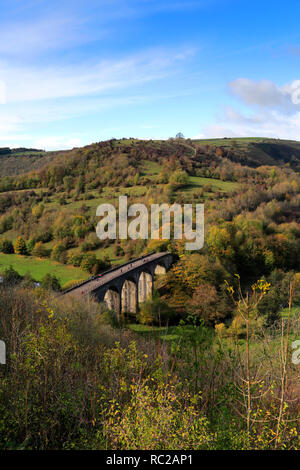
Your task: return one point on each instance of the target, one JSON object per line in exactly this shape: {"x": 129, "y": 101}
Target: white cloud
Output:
{"x": 263, "y": 94}
{"x": 273, "y": 111}
{"x": 262, "y": 124}
{"x": 48, "y": 73}
{"x": 39, "y": 95}
{"x": 43, "y": 34}
{"x": 37, "y": 83}
{"x": 33, "y": 96}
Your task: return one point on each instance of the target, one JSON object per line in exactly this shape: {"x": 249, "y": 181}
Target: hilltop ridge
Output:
{"x": 248, "y": 151}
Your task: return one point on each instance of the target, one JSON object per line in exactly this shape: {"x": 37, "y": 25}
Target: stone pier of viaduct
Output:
{"x": 125, "y": 287}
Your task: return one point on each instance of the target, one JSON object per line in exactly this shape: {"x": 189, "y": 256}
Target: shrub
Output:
{"x": 30, "y": 245}
{"x": 155, "y": 311}
{"x": 39, "y": 250}
{"x": 157, "y": 417}
{"x": 20, "y": 246}
{"x": 88, "y": 261}
{"x": 50, "y": 282}
{"x": 118, "y": 250}
{"x": 73, "y": 283}
{"x": 179, "y": 178}
{"x": 80, "y": 231}
{"x": 75, "y": 259}
{"x": 37, "y": 210}
{"x": 62, "y": 200}
{"x": 204, "y": 302}
{"x": 45, "y": 236}
{"x": 11, "y": 276}
{"x": 158, "y": 245}
{"x": 6, "y": 246}
{"x": 28, "y": 281}
{"x": 57, "y": 251}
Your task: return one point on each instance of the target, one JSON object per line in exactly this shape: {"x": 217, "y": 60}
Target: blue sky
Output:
{"x": 76, "y": 72}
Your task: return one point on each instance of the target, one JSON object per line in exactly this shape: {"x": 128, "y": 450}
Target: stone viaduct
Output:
{"x": 123, "y": 288}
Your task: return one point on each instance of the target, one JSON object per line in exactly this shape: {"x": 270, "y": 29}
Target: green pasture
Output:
{"x": 38, "y": 268}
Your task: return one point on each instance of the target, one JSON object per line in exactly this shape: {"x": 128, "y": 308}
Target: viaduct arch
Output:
{"x": 123, "y": 288}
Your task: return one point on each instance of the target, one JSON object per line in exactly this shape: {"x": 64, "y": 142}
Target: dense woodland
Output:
{"x": 77, "y": 378}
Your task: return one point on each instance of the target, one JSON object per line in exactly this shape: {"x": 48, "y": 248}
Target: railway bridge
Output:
{"x": 124, "y": 287}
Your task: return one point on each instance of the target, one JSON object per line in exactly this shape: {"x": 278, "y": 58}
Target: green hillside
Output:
{"x": 250, "y": 188}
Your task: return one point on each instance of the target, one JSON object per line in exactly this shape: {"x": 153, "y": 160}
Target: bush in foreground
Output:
{"x": 73, "y": 382}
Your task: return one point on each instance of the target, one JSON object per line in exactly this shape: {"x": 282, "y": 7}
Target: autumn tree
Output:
{"x": 20, "y": 246}
{"x": 179, "y": 178}
{"x": 57, "y": 251}
{"x": 88, "y": 262}
{"x": 204, "y": 303}
{"x": 68, "y": 183}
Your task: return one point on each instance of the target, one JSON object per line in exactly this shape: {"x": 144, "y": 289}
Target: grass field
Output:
{"x": 167, "y": 333}
{"x": 171, "y": 333}
{"x": 38, "y": 268}
{"x": 150, "y": 169}
{"x": 196, "y": 182}
{"x": 228, "y": 142}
